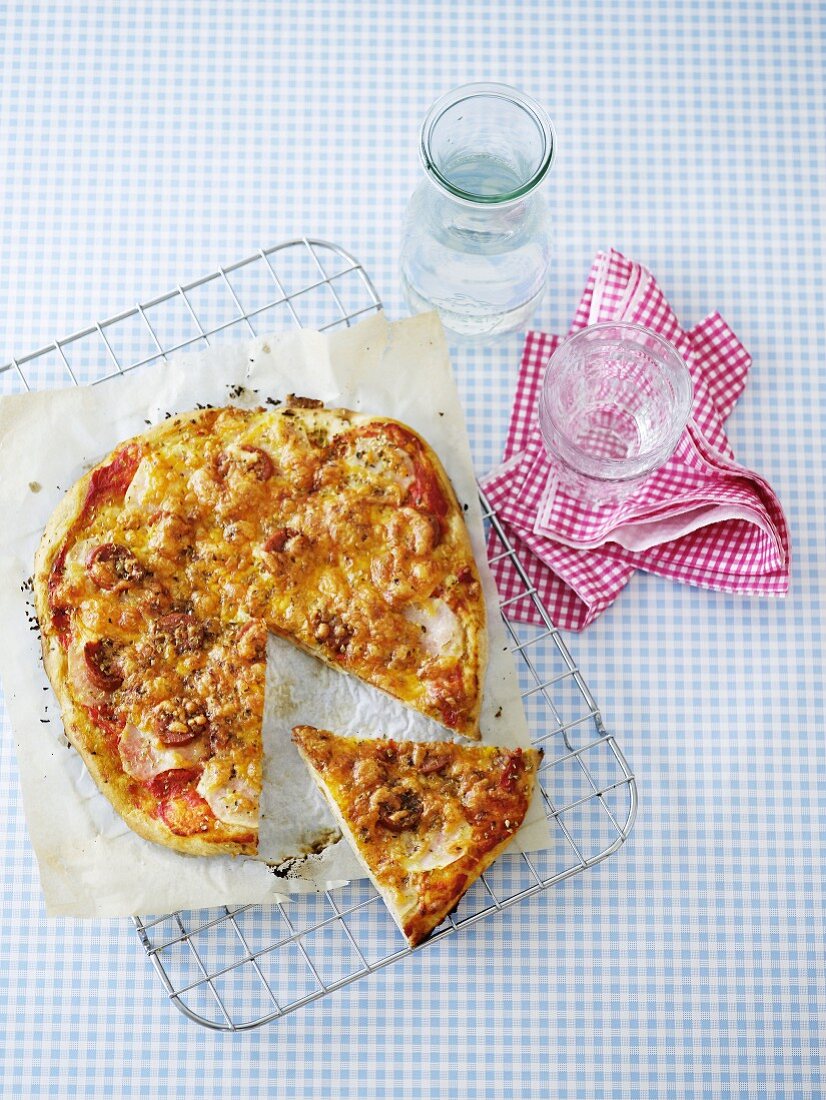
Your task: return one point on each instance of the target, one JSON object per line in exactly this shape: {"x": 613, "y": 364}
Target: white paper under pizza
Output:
{"x": 90, "y": 863}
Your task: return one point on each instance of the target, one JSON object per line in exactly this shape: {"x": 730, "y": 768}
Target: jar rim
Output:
{"x": 498, "y": 91}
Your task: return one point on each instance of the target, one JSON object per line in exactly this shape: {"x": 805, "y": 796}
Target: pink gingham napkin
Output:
{"x": 702, "y": 519}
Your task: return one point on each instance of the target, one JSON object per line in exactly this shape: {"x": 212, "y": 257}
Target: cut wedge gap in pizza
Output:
{"x": 425, "y": 819}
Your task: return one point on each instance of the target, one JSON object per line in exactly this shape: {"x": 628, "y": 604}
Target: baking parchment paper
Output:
{"x": 90, "y": 863}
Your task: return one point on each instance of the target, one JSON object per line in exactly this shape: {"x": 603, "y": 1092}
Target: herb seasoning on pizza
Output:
{"x": 164, "y": 568}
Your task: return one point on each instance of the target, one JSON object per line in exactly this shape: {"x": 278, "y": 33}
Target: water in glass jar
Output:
{"x": 482, "y": 265}
{"x": 483, "y": 175}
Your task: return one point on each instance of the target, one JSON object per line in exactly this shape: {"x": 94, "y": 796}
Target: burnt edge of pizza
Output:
{"x": 164, "y": 568}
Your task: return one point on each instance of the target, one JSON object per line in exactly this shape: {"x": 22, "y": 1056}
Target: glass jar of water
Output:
{"x": 476, "y": 242}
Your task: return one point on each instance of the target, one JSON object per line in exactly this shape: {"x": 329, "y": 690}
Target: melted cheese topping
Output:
{"x": 334, "y": 530}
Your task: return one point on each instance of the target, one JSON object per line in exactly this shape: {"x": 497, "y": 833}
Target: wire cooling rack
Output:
{"x": 233, "y": 969}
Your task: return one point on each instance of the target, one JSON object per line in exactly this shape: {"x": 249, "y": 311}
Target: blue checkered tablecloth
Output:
{"x": 142, "y": 146}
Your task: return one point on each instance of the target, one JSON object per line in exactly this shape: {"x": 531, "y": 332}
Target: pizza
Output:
{"x": 424, "y": 818}
{"x": 164, "y": 569}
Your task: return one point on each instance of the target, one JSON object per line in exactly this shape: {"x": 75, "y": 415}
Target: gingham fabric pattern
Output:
{"x": 707, "y": 520}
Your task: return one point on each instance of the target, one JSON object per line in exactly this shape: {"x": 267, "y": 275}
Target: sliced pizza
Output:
{"x": 164, "y": 568}
{"x": 425, "y": 819}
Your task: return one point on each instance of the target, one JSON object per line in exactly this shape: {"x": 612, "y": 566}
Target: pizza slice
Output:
{"x": 425, "y": 819}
